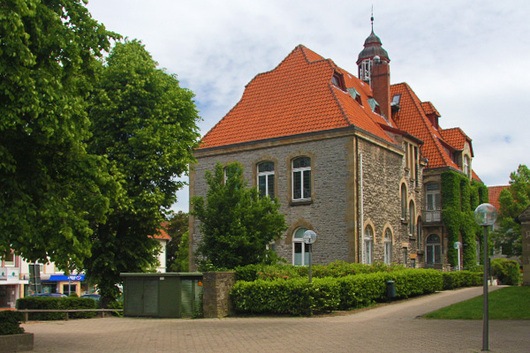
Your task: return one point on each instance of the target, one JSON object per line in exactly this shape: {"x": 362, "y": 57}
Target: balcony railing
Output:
{"x": 432, "y": 216}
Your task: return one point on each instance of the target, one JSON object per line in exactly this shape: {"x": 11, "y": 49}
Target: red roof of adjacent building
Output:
{"x": 297, "y": 97}
{"x": 493, "y": 195}
{"x": 162, "y": 233}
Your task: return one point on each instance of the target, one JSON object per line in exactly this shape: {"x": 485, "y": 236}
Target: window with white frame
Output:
{"x": 388, "y": 247}
{"x": 301, "y": 178}
{"x": 300, "y": 249}
{"x": 266, "y": 179}
{"x": 433, "y": 250}
{"x": 433, "y": 202}
{"x": 368, "y": 243}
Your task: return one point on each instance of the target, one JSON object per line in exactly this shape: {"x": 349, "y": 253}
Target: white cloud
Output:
{"x": 467, "y": 58}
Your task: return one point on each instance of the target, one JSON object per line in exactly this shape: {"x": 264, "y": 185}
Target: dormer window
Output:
{"x": 355, "y": 95}
{"x": 374, "y": 105}
{"x": 338, "y": 80}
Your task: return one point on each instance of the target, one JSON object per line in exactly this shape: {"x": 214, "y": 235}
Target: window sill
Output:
{"x": 301, "y": 202}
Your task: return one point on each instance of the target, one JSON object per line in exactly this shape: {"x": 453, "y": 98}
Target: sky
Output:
{"x": 469, "y": 58}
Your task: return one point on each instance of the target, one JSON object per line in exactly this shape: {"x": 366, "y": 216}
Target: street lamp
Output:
{"x": 309, "y": 238}
{"x": 485, "y": 216}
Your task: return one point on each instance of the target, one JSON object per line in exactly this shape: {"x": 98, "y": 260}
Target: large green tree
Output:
{"x": 52, "y": 190}
{"x": 513, "y": 201}
{"x": 237, "y": 225}
{"x": 145, "y": 124}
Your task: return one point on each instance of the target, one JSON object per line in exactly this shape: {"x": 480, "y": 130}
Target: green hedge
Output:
{"x": 10, "y": 323}
{"x": 335, "y": 269}
{"x": 57, "y": 303}
{"x": 291, "y": 297}
{"x": 459, "y": 279}
{"x": 299, "y": 297}
{"x": 506, "y": 271}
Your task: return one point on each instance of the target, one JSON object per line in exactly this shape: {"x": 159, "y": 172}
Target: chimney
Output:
{"x": 380, "y": 82}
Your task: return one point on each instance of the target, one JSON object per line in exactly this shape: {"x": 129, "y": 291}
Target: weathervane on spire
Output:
{"x": 372, "y": 18}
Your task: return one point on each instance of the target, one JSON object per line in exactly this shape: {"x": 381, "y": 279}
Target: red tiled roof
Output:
{"x": 296, "y": 97}
{"x": 162, "y": 233}
{"x": 456, "y": 138}
{"x": 493, "y": 195}
{"x": 412, "y": 117}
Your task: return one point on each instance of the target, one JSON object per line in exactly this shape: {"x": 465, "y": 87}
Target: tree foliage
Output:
{"x": 53, "y": 190}
{"x": 237, "y": 224}
{"x": 177, "y": 248}
{"x": 513, "y": 201}
{"x": 145, "y": 125}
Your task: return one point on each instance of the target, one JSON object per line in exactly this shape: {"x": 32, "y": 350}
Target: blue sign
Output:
{"x": 65, "y": 278}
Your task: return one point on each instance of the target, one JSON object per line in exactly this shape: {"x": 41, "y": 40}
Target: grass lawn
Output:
{"x": 510, "y": 303}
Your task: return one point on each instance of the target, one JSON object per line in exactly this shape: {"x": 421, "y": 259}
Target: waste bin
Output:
{"x": 390, "y": 289}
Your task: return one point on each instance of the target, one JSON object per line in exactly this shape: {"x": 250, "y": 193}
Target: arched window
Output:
{"x": 419, "y": 233}
{"x": 412, "y": 219}
{"x": 433, "y": 250}
{"x": 368, "y": 243}
{"x": 403, "y": 202}
{"x": 301, "y": 178}
{"x": 300, "y": 249}
{"x": 388, "y": 246}
{"x": 266, "y": 179}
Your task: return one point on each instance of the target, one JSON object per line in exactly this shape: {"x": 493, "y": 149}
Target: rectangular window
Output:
{"x": 266, "y": 179}
{"x": 301, "y": 178}
{"x": 9, "y": 259}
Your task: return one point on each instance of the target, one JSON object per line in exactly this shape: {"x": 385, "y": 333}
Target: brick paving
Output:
{"x": 394, "y": 327}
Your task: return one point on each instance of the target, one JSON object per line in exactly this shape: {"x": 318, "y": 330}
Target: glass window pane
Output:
{"x": 301, "y": 162}
{"x": 297, "y": 185}
{"x": 270, "y": 181}
{"x": 307, "y": 184}
{"x": 262, "y": 185}
{"x": 266, "y": 167}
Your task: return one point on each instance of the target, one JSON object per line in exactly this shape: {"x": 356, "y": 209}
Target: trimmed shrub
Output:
{"x": 10, "y": 323}
{"x": 506, "y": 271}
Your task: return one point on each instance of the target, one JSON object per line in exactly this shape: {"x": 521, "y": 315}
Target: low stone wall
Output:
{"x": 16, "y": 343}
{"x": 216, "y": 294}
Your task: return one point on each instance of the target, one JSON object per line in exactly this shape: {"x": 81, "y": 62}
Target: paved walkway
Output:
{"x": 393, "y": 328}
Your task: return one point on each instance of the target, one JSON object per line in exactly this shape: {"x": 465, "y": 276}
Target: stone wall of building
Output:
{"x": 333, "y": 211}
{"x": 382, "y": 173}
